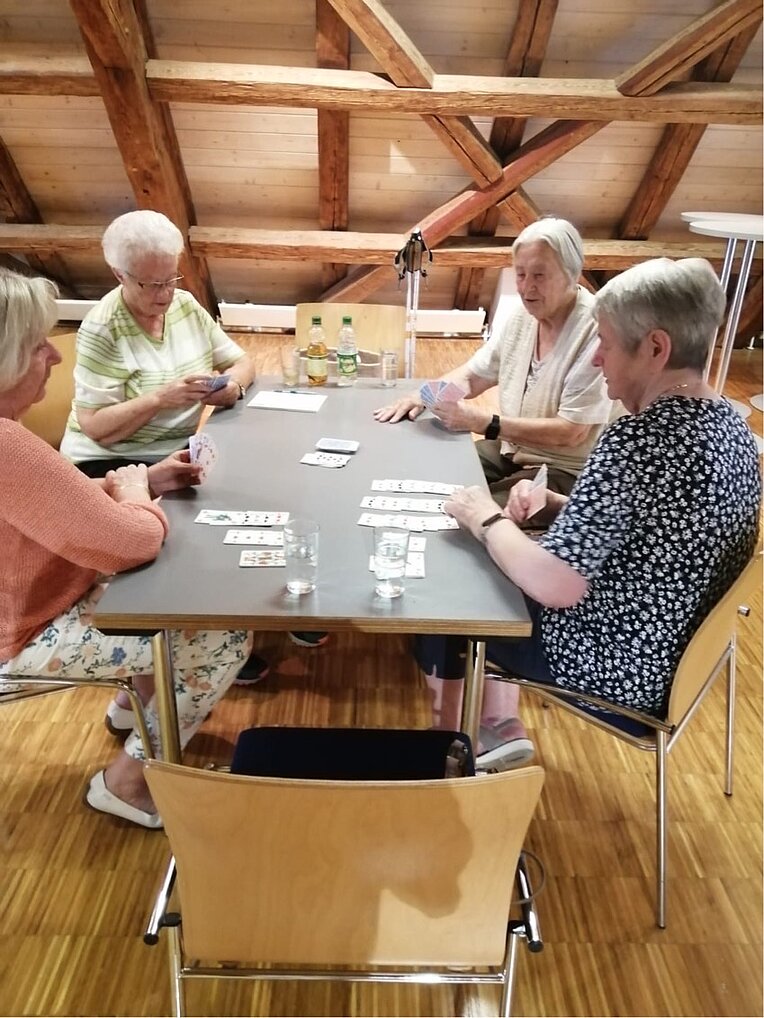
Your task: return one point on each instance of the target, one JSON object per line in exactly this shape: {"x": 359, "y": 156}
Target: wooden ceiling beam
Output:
{"x": 451, "y": 95}
{"x": 677, "y": 146}
{"x": 375, "y": 249}
{"x": 18, "y": 206}
{"x": 356, "y": 91}
{"x": 669, "y": 61}
{"x": 400, "y": 59}
{"x": 539, "y": 152}
{"x": 527, "y": 48}
{"x": 333, "y": 128}
{"x": 383, "y": 37}
{"x": 113, "y": 33}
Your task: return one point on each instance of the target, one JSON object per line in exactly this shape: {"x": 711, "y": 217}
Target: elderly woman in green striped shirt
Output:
{"x": 147, "y": 355}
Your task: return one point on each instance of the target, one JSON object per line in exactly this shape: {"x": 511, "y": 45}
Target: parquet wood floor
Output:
{"x": 75, "y": 886}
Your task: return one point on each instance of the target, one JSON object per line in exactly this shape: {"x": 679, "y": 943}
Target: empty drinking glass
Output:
{"x": 388, "y": 368}
{"x": 391, "y": 547}
{"x": 301, "y": 554}
{"x": 290, "y": 365}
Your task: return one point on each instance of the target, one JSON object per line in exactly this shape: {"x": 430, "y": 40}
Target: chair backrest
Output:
{"x": 277, "y": 870}
{"x": 48, "y": 417}
{"x": 377, "y": 326}
{"x": 708, "y": 644}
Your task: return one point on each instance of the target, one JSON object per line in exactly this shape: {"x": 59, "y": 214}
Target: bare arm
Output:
{"x": 111, "y": 424}
{"x": 547, "y": 431}
{"x": 535, "y": 570}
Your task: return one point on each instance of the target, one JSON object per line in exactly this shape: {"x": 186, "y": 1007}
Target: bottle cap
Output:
{"x": 347, "y": 320}
{"x": 316, "y": 320}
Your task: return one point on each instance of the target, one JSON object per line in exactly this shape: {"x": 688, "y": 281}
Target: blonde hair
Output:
{"x": 27, "y": 314}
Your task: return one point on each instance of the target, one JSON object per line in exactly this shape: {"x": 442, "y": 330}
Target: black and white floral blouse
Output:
{"x": 661, "y": 521}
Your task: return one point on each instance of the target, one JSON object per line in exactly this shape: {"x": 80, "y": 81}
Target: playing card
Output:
{"x": 325, "y": 459}
{"x": 391, "y": 520}
{"x": 537, "y": 496}
{"x": 427, "y": 394}
{"x": 241, "y": 518}
{"x": 451, "y": 393}
{"x": 218, "y": 382}
{"x": 273, "y": 538}
{"x": 263, "y": 557}
{"x": 203, "y": 451}
{"x": 415, "y": 505}
{"x": 418, "y": 487}
{"x": 439, "y": 523}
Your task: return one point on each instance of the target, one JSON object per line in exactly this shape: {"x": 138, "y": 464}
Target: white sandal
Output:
{"x": 98, "y": 797}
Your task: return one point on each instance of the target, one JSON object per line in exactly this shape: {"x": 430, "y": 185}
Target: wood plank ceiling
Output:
{"x": 209, "y": 110}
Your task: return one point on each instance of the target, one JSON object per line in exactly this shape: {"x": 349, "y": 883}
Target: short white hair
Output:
{"x": 134, "y": 235}
{"x": 683, "y": 298}
{"x": 27, "y": 314}
{"x": 563, "y": 238}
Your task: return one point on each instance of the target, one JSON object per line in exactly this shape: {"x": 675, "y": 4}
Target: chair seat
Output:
{"x": 630, "y": 726}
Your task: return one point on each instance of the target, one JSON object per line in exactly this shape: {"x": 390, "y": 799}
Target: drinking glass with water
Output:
{"x": 391, "y": 547}
{"x": 301, "y": 555}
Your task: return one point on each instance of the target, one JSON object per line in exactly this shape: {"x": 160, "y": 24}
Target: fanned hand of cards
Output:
{"x": 438, "y": 391}
{"x": 203, "y": 451}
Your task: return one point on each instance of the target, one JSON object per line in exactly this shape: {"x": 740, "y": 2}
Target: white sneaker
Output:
{"x": 503, "y": 745}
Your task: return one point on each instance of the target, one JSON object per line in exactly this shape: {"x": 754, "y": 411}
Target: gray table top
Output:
{"x": 197, "y": 583}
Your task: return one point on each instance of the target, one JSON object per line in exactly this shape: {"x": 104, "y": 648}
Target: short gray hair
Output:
{"x": 684, "y": 298}
{"x": 132, "y": 236}
{"x": 563, "y": 238}
{"x": 27, "y": 314}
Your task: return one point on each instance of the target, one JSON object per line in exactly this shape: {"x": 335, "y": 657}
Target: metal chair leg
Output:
{"x": 177, "y": 989}
{"x": 661, "y": 766}
{"x": 731, "y": 696}
{"x": 510, "y": 969}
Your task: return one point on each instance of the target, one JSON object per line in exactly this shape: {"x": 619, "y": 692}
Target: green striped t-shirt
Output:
{"x": 117, "y": 360}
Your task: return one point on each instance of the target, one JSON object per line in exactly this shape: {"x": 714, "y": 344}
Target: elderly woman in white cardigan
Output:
{"x": 552, "y": 400}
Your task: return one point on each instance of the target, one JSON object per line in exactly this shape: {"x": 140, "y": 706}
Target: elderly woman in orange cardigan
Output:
{"x": 62, "y": 534}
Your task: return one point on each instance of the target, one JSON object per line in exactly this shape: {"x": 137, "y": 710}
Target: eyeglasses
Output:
{"x": 156, "y": 287}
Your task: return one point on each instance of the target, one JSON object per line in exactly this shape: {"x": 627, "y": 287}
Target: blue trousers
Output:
{"x": 522, "y": 656}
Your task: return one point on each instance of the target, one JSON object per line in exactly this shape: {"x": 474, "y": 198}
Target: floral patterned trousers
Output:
{"x": 205, "y": 664}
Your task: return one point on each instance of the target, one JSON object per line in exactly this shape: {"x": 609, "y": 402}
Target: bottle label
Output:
{"x": 317, "y": 366}
{"x": 347, "y": 364}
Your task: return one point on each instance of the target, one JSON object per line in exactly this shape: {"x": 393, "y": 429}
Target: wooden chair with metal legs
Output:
{"x": 344, "y": 880}
{"x": 710, "y": 653}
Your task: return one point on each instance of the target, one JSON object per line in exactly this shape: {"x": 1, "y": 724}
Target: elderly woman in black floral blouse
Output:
{"x": 661, "y": 521}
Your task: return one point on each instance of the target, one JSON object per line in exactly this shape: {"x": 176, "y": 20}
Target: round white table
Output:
{"x": 732, "y": 227}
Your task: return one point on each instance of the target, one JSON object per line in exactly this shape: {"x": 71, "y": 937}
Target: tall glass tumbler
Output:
{"x": 301, "y": 554}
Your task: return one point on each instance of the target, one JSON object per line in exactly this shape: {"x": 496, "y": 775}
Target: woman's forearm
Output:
{"x": 111, "y": 424}
{"x": 539, "y": 573}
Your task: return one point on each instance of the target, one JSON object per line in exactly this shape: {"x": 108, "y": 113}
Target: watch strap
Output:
{"x": 493, "y": 429}
{"x": 492, "y": 519}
